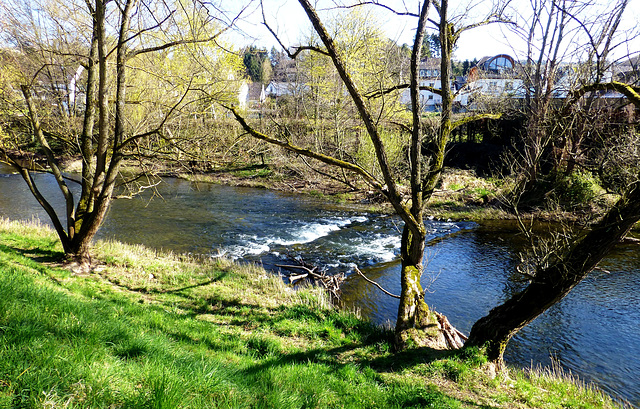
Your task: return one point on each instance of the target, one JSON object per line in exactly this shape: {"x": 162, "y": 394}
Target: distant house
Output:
{"x": 279, "y": 89}
{"x": 251, "y": 95}
{"x": 493, "y": 77}
{"x": 428, "y": 76}
{"x": 627, "y": 71}
{"x": 287, "y": 80}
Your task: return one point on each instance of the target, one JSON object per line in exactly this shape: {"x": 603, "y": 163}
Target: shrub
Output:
{"x": 576, "y": 189}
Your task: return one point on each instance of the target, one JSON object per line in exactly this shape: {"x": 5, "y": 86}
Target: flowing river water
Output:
{"x": 594, "y": 332}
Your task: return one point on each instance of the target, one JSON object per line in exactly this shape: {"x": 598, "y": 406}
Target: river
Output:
{"x": 594, "y": 332}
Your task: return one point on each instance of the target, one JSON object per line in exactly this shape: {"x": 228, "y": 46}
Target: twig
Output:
{"x": 310, "y": 271}
{"x": 376, "y": 284}
{"x": 294, "y": 278}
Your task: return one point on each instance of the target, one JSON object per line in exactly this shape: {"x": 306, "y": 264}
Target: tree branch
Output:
{"x": 630, "y": 92}
{"x": 386, "y": 91}
{"x": 384, "y": 6}
{"x": 176, "y": 43}
{"x": 298, "y": 50}
{"x": 376, "y": 284}
{"x": 381, "y": 155}
{"x": 55, "y": 170}
{"x": 370, "y": 179}
{"x": 473, "y": 118}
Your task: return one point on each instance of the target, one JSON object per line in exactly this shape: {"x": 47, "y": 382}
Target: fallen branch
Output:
{"x": 293, "y": 279}
{"x": 310, "y": 271}
{"x": 331, "y": 283}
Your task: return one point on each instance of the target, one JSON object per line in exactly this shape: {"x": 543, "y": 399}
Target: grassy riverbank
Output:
{"x": 156, "y": 330}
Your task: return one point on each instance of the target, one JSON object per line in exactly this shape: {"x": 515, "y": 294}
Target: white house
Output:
{"x": 493, "y": 77}
{"x": 429, "y": 76}
{"x": 251, "y": 94}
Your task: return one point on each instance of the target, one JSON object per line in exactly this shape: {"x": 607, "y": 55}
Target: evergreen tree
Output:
{"x": 257, "y": 63}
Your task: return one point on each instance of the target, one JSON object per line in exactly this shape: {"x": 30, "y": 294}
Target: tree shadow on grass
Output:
{"x": 266, "y": 349}
{"x": 180, "y": 291}
{"x": 37, "y": 255}
{"x": 403, "y": 394}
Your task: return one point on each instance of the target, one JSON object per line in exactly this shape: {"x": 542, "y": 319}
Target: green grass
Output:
{"x": 255, "y": 171}
{"x": 153, "y": 330}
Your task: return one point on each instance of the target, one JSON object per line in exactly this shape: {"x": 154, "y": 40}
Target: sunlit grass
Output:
{"x": 157, "y": 330}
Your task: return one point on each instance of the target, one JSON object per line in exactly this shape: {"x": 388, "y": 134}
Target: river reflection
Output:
{"x": 594, "y": 332}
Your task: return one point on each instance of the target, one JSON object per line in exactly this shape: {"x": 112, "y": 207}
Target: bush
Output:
{"x": 576, "y": 189}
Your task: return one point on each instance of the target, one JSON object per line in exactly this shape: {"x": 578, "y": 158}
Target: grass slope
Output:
{"x": 151, "y": 330}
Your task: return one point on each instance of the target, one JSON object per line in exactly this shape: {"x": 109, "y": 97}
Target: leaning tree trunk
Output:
{"x": 553, "y": 283}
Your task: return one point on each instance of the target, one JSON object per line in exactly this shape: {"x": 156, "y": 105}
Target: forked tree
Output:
{"x": 415, "y": 324}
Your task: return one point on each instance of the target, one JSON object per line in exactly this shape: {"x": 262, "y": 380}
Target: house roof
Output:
{"x": 496, "y": 66}
{"x": 255, "y": 90}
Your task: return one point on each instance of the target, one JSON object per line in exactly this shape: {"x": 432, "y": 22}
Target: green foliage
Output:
{"x": 566, "y": 191}
{"x": 255, "y": 171}
{"x": 396, "y": 145}
{"x": 448, "y": 369}
{"x": 462, "y": 68}
{"x": 458, "y": 367}
{"x": 431, "y": 46}
{"x": 415, "y": 396}
{"x": 577, "y": 188}
{"x": 263, "y": 345}
{"x": 257, "y": 63}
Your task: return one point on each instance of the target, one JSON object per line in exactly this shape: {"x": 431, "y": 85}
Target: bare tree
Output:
{"x": 50, "y": 36}
{"x": 553, "y": 275}
{"x": 568, "y": 45}
{"x": 415, "y": 322}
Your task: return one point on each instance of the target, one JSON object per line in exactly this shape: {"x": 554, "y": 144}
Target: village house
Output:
{"x": 493, "y": 77}
{"x": 429, "y": 76}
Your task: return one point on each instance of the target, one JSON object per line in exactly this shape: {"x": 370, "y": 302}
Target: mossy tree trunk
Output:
{"x": 553, "y": 283}
{"x": 416, "y": 324}
{"x": 413, "y": 312}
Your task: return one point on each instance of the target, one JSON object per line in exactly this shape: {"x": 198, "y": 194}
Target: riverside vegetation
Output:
{"x": 157, "y": 330}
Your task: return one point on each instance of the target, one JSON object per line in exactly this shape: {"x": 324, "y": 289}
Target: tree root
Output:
{"x": 454, "y": 338}
{"x": 78, "y": 265}
{"x": 438, "y": 334}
